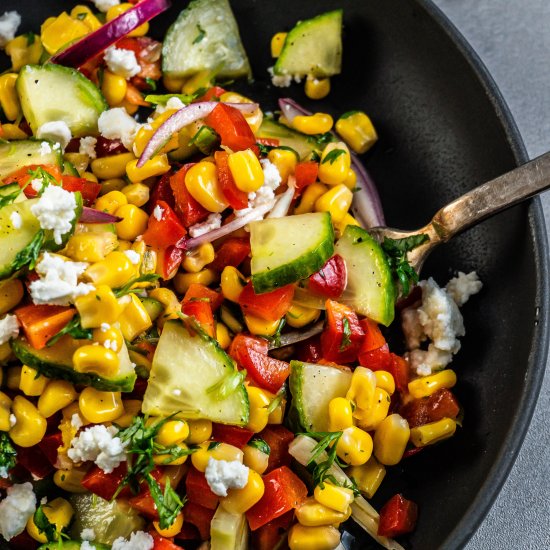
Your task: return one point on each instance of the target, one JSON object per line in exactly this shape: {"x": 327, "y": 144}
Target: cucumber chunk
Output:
{"x": 12, "y": 188}
{"x": 15, "y": 155}
{"x": 57, "y": 362}
{"x": 312, "y": 388}
{"x": 71, "y": 545}
{"x": 370, "y": 290}
{"x": 285, "y": 250}
{"x": 205, "y": 36}
{"x": 228, "y": 531}
{"x": 187, "y": 363}
{"x": 52, "y": 92}
{"x": 313, "y": 47}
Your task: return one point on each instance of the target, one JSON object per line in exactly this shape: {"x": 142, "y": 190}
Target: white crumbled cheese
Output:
{"x": 264, "y": 196}
{"x": 9, "y": 328}
{"x": 138, "y": 541}
{"x": 104, "y": 5}
{"x": 222, "y": 475}
{"x": 172, "y": 103}
{"x": 37, "y": 185}
{"x": 461, "y": 287}
{"x": 87, "y": 534}
{"x": 86, "y": 545}
{"x": 9, "y": 23}
{"x": 87, "y": 146}
{"x": 13, "y": 420}
{"x": 272, "y": 177}
{"x": 99, "y": 444}
{"x": 76, "y": 421}
{"x": 133, "y": 256}
{"x": 16, "y": 220}
{"x": 122, "y": 62}
{"x": 280, "y": 80}
{"x": 214, "y": 221}
{"x": 56, "y": 131}
{"x": 157, "y": 212}
{"x": 118, "y": 124}
{"x": 55, "y": 210}
{"x": 45, "y": 148}
{"x": 16, "y": 509}
{"x": 105, "y": 327}
{"x": 58, "y": 284}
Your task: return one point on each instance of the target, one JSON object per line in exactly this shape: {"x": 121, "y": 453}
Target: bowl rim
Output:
{"x": 536, "y": 362}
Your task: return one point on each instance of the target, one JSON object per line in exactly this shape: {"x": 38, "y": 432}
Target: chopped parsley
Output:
{"x": 331, "y": 156}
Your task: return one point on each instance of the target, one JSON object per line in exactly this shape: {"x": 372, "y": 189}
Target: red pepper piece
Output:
{"x": 397, "y": 517}
{"x": 88, "y": 189}
{"x": 188, "y": 532}
{"x": 278, "y": 438}
{"x": 168, "y": 261}
{"x": 34, "y": 460}
{"x": 242, "y": 343}
{"x": 107, "y": 147}
{"x": 105, "y": 485}
{"x": 269, "y": 535}
{"x": 330, "y": 281}
{"x": 163, "y": 228}
{"x": 441, "y": 404}
{"x": 22, "y": 176}
{"x": 399, "y": 368}
{"x": 236, "y": 198}
{"x": 233, "y": 435}
{"x": 49, "y": 446}
{"x": 162, "y": 543}
{"x": 269, "y": 306}
{"x": 202, "y": 312}
{"x": 309, "y": 351}
{"x": 211, "y": 94}
{"x": 23, "y": 541}
{"x": 187, "y": 208}
{"x": 200, "y": 517}
{"x": 162, "y": 192}
{"x": 305, "y": 174}
{"x": 145, "y": 504}
{"x": 232, "y": 252}
{"x": 198, "y": 490}
{"x": 375, "y": 352}
{"x": 200, "y": 292}
{"x": 232, "y": 127}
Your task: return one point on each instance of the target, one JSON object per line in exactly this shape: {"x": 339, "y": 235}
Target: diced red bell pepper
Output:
{"x": 399, "y": 369}
{"x": 162, "y": 543}
{"x": 187, "y": 208}
{"x": 375, "y": 352}
{"x": 23, "y": 541}
{"x": 107, "y": 147}
{"x": 278, "y": 438}
{"x": 163, "y": 230}
{"x": 309, "y": 351}
{"x": 233, "y": 435}
{"x": 202, "y": 312}
{"x": 34, "y": 461}
{"x": 105, "y": 485}
{"x": 88, "y": 189}
{"x": 211, "y": 94}
{"x": 49, "y": 445}
{"x": 232, "y": 127}
{"x": 162, "y": 191}
{"x": 200, "y": 517}
{"x": 269, "y": 306}
{"x": 342, "y": 336}
{"x": 232, "y": 252}
{"x": 168, "y": 261}
{"x": 397, "y": 517}
{"x": 305, "y": 174}
{"x": 284, "y": 490}
{"x": 236, "y": 198}
{"x": 188, "y": 532}
{"x": 441, "y": 404}
{"x": 242, "y": 343}
{"x": 330, "y": 281}
{"x": 269, "y": 535}
{"x": 198, "y": 490}
{"x": 145, "y": 504}
{"x": 197, "y": 291}
{"x": 22, "y": 176}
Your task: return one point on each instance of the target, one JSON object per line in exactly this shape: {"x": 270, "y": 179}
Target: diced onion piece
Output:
{"x": 91, "y": 215}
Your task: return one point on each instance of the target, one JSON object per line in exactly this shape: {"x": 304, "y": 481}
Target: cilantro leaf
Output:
{"x": 346, "y": 336}
{"x": 168, "y": 502}
{"x": 275, "y": 339}
{"x": 40, "y": 174}
{"x": 331, "y": 156}
{"x": 74, "y": 329}
{"x": 260, "y": 444}
{"x": 8, "y": 455}
{"x": 9, "y": 198}
{"x": 44, "y": 524}
{"x": 29, "y": 254}
{"x": 127, "y": 288}
{"x": 151, "y": 83}
{"x": 30, "y": 36}
{"x": 327, "y": 443}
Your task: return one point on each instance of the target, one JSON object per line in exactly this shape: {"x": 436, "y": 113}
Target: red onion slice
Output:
{"x": 94, "y": 43}
{"x": 91, "y": 215}
{"x": 282, "y": 206}
{"x": 291, "y": 109}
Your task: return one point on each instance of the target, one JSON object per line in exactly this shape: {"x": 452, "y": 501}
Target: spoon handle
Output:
{"x": 492, "y": 197}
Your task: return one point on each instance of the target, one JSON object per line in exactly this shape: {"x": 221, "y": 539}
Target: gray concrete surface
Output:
{"x": 513, "y": 39}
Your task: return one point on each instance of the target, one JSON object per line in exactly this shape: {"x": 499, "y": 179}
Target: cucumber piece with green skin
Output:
{"x": 205, "y": 36}
{"x": 12, "y": 189}
{"x": 15, "y": 155}
{"x": 186, "y": 365}
{"x": 228, "y": 531}
{"x": 312, "y": 388}
{"x": 71, "y": 545}
{"x": 370, "y": 290}
{"x": 285, "y": 250}
{"x": 52, "y": 92}
{"x": 57, "y": 362}
{"x": 153, "y": 307}
{"x": 69, "y": 169}
{"x": 313, "y": 47}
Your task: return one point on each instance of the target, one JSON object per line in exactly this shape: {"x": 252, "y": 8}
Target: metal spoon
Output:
{"x": 475, "y": 206}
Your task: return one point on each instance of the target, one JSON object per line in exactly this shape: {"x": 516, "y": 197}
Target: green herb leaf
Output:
{"x": 276, "y": 401}
{"x": 275, "y": 339}
{"x": 327, "y": 443}
{"x": 264, "y": 149}
{"x": 44, "y": 524}
{"x": 9, "y": 198}
{"x": 74, "y": 329}
{"x": 151, "y": 83}
{"x": 168, "y": 503}
{"x": 323, "y": 139}
{"x": 227, "y": 385}
{"x": 331, "y": 156}
{"x": 8, "y": 455}
{"x": 127, "y": 288}
{"x": 213, "y": 445}
{"x": 346, "y": 334}
{"x": 315, "y": 156}
{"x": 81, "y": 16}
{"x": 45, "y": 177}
{"x": 30, "y": 36}
{"x": 201, "y": 34}
{"x": 29, "y": 255}
{"x": 260, "y": 444}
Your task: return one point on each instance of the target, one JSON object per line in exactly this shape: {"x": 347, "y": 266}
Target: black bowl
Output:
{"x": 444, "y": 128}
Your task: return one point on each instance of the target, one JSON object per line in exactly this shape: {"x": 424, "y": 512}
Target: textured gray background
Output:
{"x": 513, "y": 39}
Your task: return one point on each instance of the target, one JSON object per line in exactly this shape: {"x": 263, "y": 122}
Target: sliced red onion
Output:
{"x": 282, "y": 206}
{"x": 94, "y": 43}
{"x": 181, "y": 118}
{"x": 91, "y": 215}
{"x": 298, "y": 336}
{"x": 291, "y": 109}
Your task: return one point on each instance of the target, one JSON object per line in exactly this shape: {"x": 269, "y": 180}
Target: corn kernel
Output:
{"x": 145, "y": 133}
{"x": 136, "y": 193}
{"x": 90, "y": 247}
{"x": 261, "y": 327}
{"x": 5, "y": 356}
{"x": 111, "y": 338}
{"x": 100, "y": 406}
{"x": 97, "y": 307}
{"x": 56, "y": 396}
{"x": 254, "y": 118}
{"x": 333, "y": 497}
{"x": 84, "y": 14}
{"x": 5, "y": 412}
{"x": 171, "y": 531}
{"x": 336, "y": 201}
{"x": 113, "y": 166}
{"x": 362, "y": 388}
{"x": 114, "y": 11}
{"x": 277, "y": 43}
{"x": 155, "y": 166}
{"x": 259, "y": 403}
{"x": 11, "y": 132}
{"x": 30, "y": 426}
{"x": 238, "y": 501}
{"x": 222, "y": 335}
{"x": 113, "y": 184}
{"x": 113, "y": 88}
{"x": 173, "y": 83}
{"x": 22, "y": 52}
{"x": 202, "y": 183}
{"x": 335, "y": 163}
{"x": 317, "y": 88}
{"x": 167, "y": 458}
{"x": 172, "y": 432}
{"x": 232, "y": 283}
{"x": 354, "y": 446}
{"x": 199, "y": 431}
{"x": 284, "y": 160}
{"x": 96, "y": 360}
{"x": 246, "y": 170}
{"x": 313, "y": 538}
{"x": 218, "y": 451}
{"x": 11, "y": 293}
{"x": 134, "y": 319}
{"x": 368, "y": 476}
{"x": 299, "y": 316}
{"x": 61, "y": 31}
{"x": 431, "y": 433}
{"x": 31, "y": 382}
{"x": 390, "y": 439}
{"x": 111, "y": 202}
{"x": 351, "y": 179}
{"x": 370, "y": 419}
{"x": 70, "y": 480}
{"x": 182, "y": 281}
{"x": 195, "y": 260}
{"x": 255, "y": 458}
{"x": 313, "y": 514}
{"x": 59, "y": 513}
{"x": 115, "y": 271}
{"x": 9, "y": 100}
{"x": 356, "y": 129}
{"x": 13, "y": 378}
{"x": 426, "y": 386}
{"x": 340, "y": 414}
{"x": 340, "y": 226}
{"x": 318, "y": 123}
{"x": 385, "y": 380}
{"x": 309, "y": 198}
{"x": 133, "y": 223}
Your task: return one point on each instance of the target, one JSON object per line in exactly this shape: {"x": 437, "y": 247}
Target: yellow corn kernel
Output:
{"x": 133, "y": 223}
{"x": 221, "y": 451}
{"x": 431, "y": 433}
{"x": 123, "y": 246}
{"x": 195, "y": 260}
{"x": 259, "y": 403}
{"x": 222, "y": 335}
{"x": 9, "y": 100}
{"x": 96, "y": 359}
{"x": 317, "y": 88}
{"x": 167, "y": 298}
{"x": 371, "y": 418}
{"x": 309, "y": 198}
{"x": 11, "y": 132}
{"x": 318, "y": 123}
{"x": 99, "y": 306}
{"x": 354, "y": 446}
{"x": 276, "y": 416}
{"x": 173, "y": 83}
{"x": 100, "y": 406}
{"x": 199, "y": 431}
{"x": 134, "y": 319}
{"x": 155, "y": 166}
{"x": 351, "y": 179}
{"x": 11, "y": 293}
{"x": 202, "y": 79}
{"x": 61, "y": 31}
{"x": 110, "y": 337}
{"x": 114, "y": 11}
{"x": 130, "y": 108}
{"x": 30, "y": 425}
{"x": 85, "y": 14}
{"x": 31, "y": 382}
{"x": 232, "y": 283}
{"x": 172, "y": 432}
{"x": 340, "y": 414}
{"x": 384, "y": 380}
{"x": 23, "y": 53}
{"x": 313, "y": 538}
{"x": 202, "y": 183}
{"x": 132, "y": 407}
{"x": 341, "y": 225}
{"x": 136, "y": 193}
{"x": 261, "y": 327}
{"x": 171, "y": 531}
{"x": 390, "y": 439}
{"x": 362, "y": 388}
{"x": 300, "y": 316}
{"x": 115, "y": 271}
{"x": 70, "y": 480}
{"x": 335, "y": 163}
{"x": 5, "y": 356}
{"x": 167, "y": 458}
{"x": 368, "y": 476}
{"x": 80, "y": 161}
{"x": 277, "y": 43}
{"x": 111, "y": 167}
{"x": 313, "y": 514}
{"x": 333, "y": 497}
{"x": 356, "y": 129}
{"x": 246, "y": 170}
{"x": 255, "y": 458}
{"x": 59, "y": 512}
{"x": 113, "y": 88}
{"x": 426, "y": 386}
{"x": 254, "y": 118}
{"x": 284, "y": 160}
{"x": 90, "y": 247}
{"x": 182, "y": 281}
{"x": 56, "y": 396}
{"x": 13, "y": 377}
{"x": 238, "y": 501}
{"x": 145, "y": 133}
{"x": 113, "y": 184}
{"x": 5, "y": 412}
{"x": 336, "y": 201}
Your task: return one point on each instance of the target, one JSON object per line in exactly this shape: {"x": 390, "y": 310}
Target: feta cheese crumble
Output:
{"x": 122, "y": 62}
{"x": 461, "y": 287}
{"x": 13, "y": 420}
{"x": 57, "y": 131}
{"x": 16, "y": 220}
{"x": 118, "y": 124}
{"x": 87, "y": 534}
{"x": 172, "y": 103}
{"x": 76, "y": 421}
{"x": 58, "y": 284}
{"x": 104, "y": 5}
{"x": 133, "y": 256}
{"x": 137, "y": 541}
{"x": 16, "y": 509}
{"x": 272, "y": 177}
{"x": 282, "y": 80}
{"x": 87, "y": 146}
{"x": 214, "y": 221}
{"x": 37, "y": 185}
{"x": 157, "y": 213}
{"x": 86, "y": 545}
{"x": 55, "y": 210}
{"x": 222, "y": 475}
{"x": 9, "y": 328}
{"x": 9, "y": 23}
{"x": 45, "y": 148}
{"x": 99, "y": 444}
